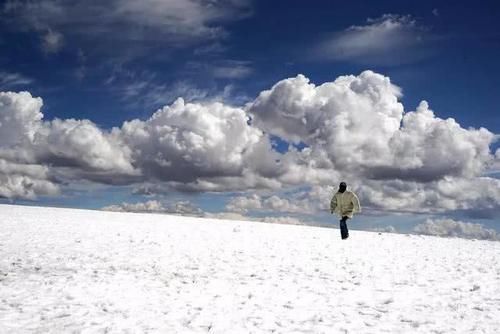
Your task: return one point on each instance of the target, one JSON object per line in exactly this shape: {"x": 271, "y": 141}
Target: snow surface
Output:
{"x": 77, "y": 271}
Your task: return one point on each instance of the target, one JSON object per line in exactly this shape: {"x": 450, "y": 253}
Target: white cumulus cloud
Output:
{"x": 354, "y": 129}
{"x": 243, "y": 204}
{"x": 80, "y": 143}
{"x": 148, "y": 206}
{"x": 282, "y": 220}
{"x": 20, "y": 174}
{"x": 21, "y": 180}
{"x": 32, "y": 149}
{"x": 361, "y": 125}
{"x": 273, "y": 203}
{"x": 480, "y": 195}
{"x": 194, "y": 143}
{"x": 453, "y": 228}
{"x": 155, "y": 206}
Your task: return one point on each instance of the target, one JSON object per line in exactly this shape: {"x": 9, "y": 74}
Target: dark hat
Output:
{"x": 343, "y": 184}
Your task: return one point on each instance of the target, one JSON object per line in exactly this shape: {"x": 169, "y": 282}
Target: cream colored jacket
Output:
{"x": 345, "y": 204}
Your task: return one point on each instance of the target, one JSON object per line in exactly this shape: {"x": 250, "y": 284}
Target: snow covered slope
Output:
{"x": 72, "y": 271}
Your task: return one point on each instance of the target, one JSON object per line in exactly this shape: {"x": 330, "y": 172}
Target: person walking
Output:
{"x": 344, "y": 203}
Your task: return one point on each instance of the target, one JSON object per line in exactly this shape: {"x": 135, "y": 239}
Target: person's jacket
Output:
{"x": 345, "y": 204}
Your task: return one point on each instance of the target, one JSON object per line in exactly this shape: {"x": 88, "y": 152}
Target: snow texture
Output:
{"x": 77, "y": 271}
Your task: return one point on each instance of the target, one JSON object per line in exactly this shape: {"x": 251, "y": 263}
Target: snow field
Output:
{"x": 77, "y": 271}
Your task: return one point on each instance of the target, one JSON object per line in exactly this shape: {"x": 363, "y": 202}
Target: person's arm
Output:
{"x": 356, "y": 207}
{"x": 333, "y": 204}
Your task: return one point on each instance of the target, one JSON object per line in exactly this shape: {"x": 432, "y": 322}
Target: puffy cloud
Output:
{"x": 188, "y": 209}
{"x": 20, "y": 175}
{"x": 20, "y": 118}
{"x": 195, "y": 144}
{"x": 353, "y": 129}
{"x": 278, "y": 204}
{"x": 29, "y": 145}
{"x": 448, "y": 194}
{"x": 494, "y": 167}
{"x": 346, "y": 124}
{"x": 429, "y": 148}
{"x": 452, "y": 228}
{"x": 388, "y": 40}
{"x": 359, "y": 123}
{"x": 80, "y": 143}
{"x": 282, "y": 220}
{"x": 309, "y": 166}
{"x": 188, "y": 146}
{"x": 478, "y": 197}
{"x": 351, "y": 119}
{"x": 228, "y": 216}
{"x": 25, "y": 180}
{"x": 248, "y": 180}
{"x": 274, "y": 203}
{"x": 185, "y": 208}
{"x": 26, "y": 137}
{"x": 179, "y": 208}
{"x": 149, "y": 206}
{"x": 320, "y": 196}
{"x": 243, "y": 204}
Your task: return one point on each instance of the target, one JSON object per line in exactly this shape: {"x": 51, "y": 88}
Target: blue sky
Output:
{"x": 458, "y": 75}
{"x": 122, "y": 60}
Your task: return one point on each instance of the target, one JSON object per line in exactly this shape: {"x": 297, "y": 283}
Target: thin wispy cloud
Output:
{"x": 52, "y": 41}
{"x": 138, "y": 24}
{"x": 149, "y": 90}
{"x": 13, "y": 80}
{"x": 151, "y": 94}
{"x": 232, "y": 69}
{"x": 387, "y": 40}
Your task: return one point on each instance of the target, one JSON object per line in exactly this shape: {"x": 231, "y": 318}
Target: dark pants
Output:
{"x": 344, "y": 232}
